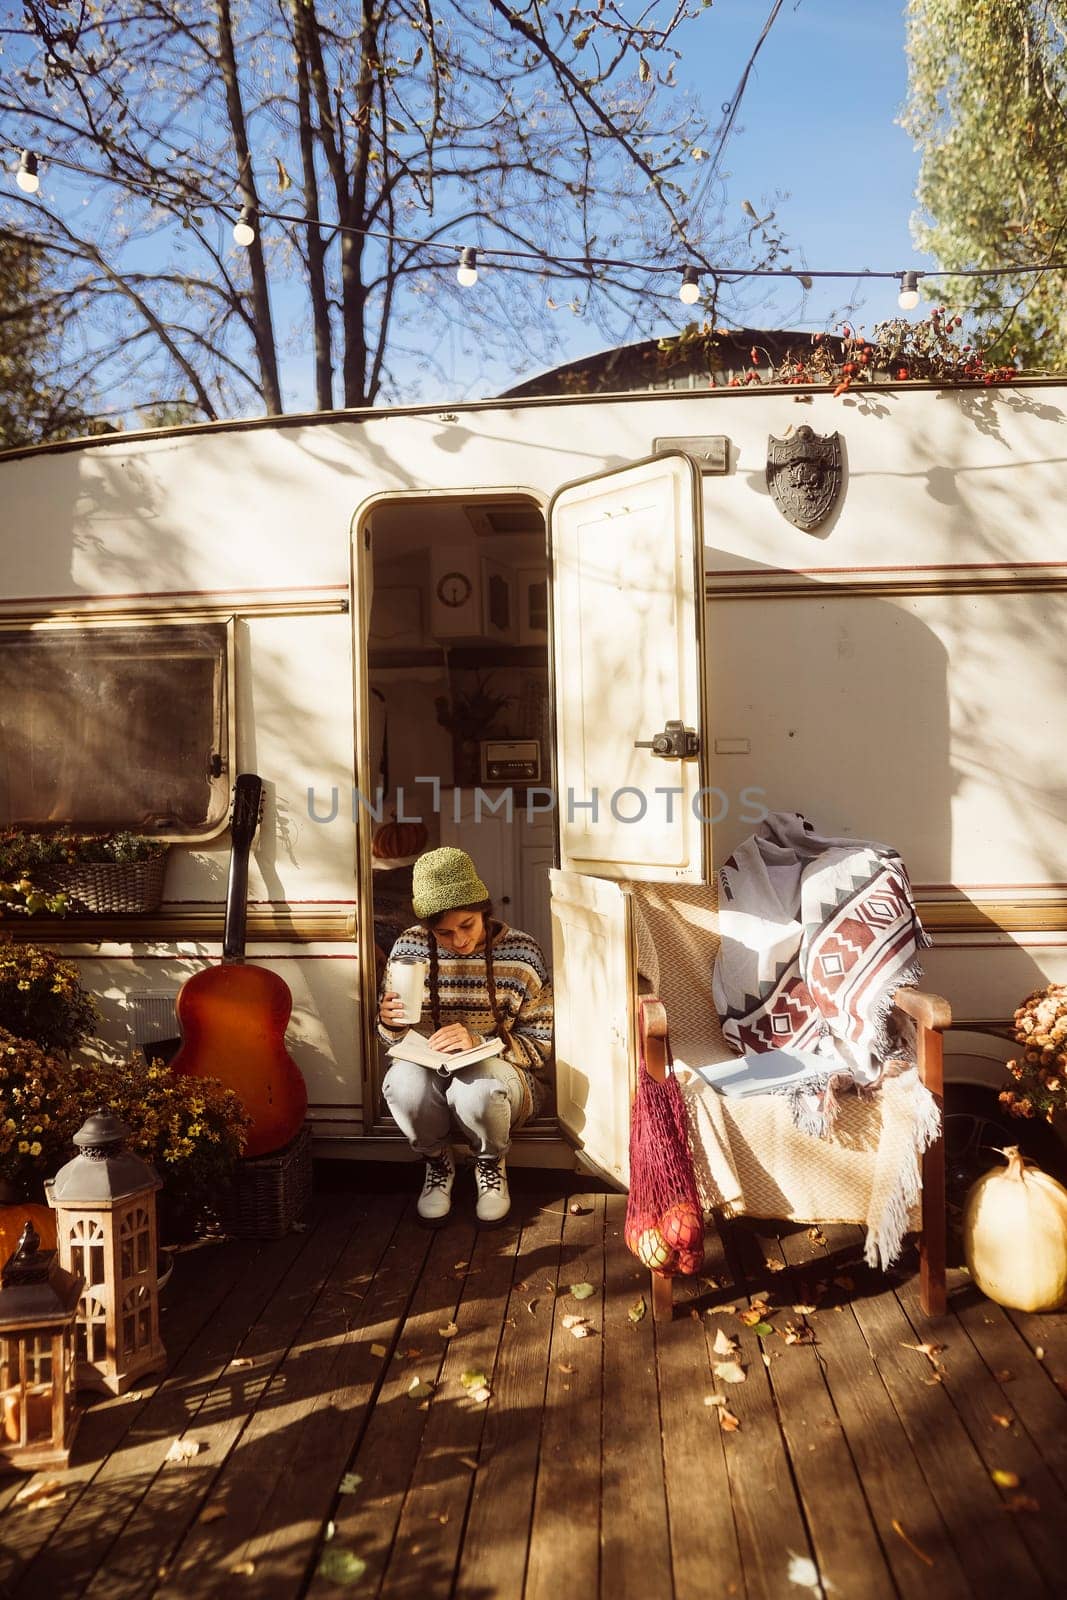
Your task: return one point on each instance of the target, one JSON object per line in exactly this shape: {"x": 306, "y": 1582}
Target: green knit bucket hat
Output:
{"x": 444, "y": 880}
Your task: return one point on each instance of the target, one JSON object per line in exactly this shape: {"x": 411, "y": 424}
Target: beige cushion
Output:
{"x": 677, "y": 942}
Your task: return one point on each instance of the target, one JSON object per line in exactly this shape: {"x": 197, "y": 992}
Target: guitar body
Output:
{"x": 233, "y": 1018}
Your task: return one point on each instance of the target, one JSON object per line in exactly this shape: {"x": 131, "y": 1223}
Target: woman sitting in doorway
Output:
{"x": 483, "y": 979}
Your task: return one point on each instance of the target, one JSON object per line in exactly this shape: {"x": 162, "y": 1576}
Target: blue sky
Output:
{"x": 818, "y": 125}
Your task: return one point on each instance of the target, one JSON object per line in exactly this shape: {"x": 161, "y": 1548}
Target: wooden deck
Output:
{"x": 595, "y": 1467}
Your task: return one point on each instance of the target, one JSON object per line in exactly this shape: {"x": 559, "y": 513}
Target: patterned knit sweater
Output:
{"x": 523, "y": 994}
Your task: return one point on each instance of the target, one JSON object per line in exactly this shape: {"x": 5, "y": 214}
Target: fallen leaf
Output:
{"x": 582, "y": 1330}
{"x": 1004, "y": 1479}
{"x": 183, "y": 1450}
{"x": 449, "y": 1330}
{"x": 329, "y": 1531}
{"x": 724, "y": 1345}
{"x": 1021, "y": 1502}
{"x": 728, "y": 1422}
{"x": 773, "y": 1265}
{"x": 379, "y": 1350}
{"x": 243, "y": 1569}
{"x": 468, "y": 1461}
{"x": 637, "y": 1311}
{"x": 572, "y": 1319}
{"x": 805, "y": 1311}
{"x": 460, "y": 1266}
{"x": 930, "y": 1351}
{"x": 242, "y": 1361}
{"x": 805, "y": 1574}
{"x": 753, "y": 1315}
{"x": 349, "y": 1483}
{"x": 576, "y": 1209}
{"x": 729, "y": 1371}
{"x": 1039, "y": 1351}
{"x": 341, "y": 1566}
{"x": 714, "y": 1399}
{"x": 135, "y": 1394}
{"x": 473, "y": 1378}
{"x": 766, "y": 1359}
{"x": 38, "y": 1495}
{"x": 212, "y": 1513}
{"x": 797, "y": 1333}
{"x": 1002, "y": 1418}
{"x": 480, "y": 1392}
{"x": 550, "y": 1288}
{"x": 565, "y": 1367}
{"x": 763, "y": 1329}
{"x": 413, "y": 1354}
{"x": 581, "y": 1291}
{"x": 816, "y": 1236}
{"x": 912, "y": 1546}
{"x": 420, "y": 1391}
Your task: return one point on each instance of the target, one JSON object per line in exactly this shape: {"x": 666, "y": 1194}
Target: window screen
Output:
{"x": 115, "y": 727}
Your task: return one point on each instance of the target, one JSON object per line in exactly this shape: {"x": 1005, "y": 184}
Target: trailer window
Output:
{"x": 118, "y": 726}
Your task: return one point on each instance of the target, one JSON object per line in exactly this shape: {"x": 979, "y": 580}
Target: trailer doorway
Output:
{"x": 453, "y": 717}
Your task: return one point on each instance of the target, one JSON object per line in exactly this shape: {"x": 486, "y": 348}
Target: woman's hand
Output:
{"x": 451, "y": 1038}
{"x": 391, "y": 1010}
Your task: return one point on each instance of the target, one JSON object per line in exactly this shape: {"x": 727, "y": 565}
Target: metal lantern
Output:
{"x": 38, "y": 1307}
{"x": 105, "y": 1205}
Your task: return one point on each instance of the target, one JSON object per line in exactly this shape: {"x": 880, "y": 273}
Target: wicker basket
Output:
{"x": 105, "y": 888}
{"x": 268, "y": 1193}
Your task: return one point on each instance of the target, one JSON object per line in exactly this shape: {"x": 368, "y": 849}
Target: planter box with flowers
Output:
{"x": 107, "y": 874}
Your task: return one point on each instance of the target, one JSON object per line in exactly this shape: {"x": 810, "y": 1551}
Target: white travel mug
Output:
{"x": 407, "y": 975}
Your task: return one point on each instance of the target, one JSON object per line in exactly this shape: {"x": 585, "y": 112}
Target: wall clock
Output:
{"x": 453, "y": 588}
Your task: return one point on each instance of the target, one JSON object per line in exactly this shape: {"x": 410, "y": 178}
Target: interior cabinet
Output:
{"x": 513, "y": 857}
{"x": 532, "y": 604}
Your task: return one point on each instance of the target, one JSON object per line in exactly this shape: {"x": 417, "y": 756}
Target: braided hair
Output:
{"x": 492, "y": 929}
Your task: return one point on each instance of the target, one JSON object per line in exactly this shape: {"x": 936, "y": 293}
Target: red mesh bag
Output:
{"x": 664, "y": 1222}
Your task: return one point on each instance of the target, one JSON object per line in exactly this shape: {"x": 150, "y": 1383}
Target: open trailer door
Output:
{"x": 627, "y": 585}
{"x": 626, "y": 553}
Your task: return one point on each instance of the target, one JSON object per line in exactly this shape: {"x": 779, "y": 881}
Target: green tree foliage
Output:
{"x": 33, "y": 406}
{"x": 987, "y": 106}
{"x": 488, "y": 123}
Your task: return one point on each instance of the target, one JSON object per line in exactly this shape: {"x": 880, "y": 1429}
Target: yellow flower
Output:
{"x": 35, "y": 1148}
{"x": 24, "y": 1147}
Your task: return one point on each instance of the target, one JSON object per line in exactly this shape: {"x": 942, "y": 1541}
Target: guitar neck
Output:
{"x": 247, "y": 805}
{"x": 233, "y": 937}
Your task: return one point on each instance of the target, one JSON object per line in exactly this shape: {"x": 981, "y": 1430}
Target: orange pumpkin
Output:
{"x": 395, "y": 840}
{"x": 14, "y": 1218}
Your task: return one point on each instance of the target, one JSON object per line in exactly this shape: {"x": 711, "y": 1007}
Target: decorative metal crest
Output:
{"x": 804, "y": 475}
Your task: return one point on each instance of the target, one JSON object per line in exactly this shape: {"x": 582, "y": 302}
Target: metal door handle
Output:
{"x": 675, "y": 742}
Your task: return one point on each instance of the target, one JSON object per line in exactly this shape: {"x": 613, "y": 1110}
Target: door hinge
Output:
{"x": 675, "y": 742}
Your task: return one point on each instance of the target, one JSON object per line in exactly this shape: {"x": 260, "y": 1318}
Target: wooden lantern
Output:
{"x": 38, "y": 1307}
{"x": 105, "y": 1205}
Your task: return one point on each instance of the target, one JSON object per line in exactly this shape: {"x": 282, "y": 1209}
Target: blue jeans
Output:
{"x": 479, "y": 1101}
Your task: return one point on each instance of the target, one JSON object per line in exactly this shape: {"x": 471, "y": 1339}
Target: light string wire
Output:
{"x": 583, "y": 263}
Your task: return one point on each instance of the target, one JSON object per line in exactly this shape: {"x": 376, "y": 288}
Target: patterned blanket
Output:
{"x": 817, "y": 934}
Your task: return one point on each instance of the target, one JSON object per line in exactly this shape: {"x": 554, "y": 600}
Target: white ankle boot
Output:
{"x": 435, "y": 1201}
{"x": 491, "y": 1182}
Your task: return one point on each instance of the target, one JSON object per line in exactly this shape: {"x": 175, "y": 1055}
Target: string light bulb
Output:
{"x": 467, "y": 271}
{"x": 908, "y": 298}
{"x": 26, "y": 177}
{"x": 244, "y": 231}
{"x": 689, "y": 293}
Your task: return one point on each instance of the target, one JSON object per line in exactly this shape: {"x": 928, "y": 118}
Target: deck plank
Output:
{"x": 429, "y": 1535}
{"x": 1029, "y": 1394}
{"x": 279, "y": 1480}
{"x": 894, "y": 1487}
{"x": 987, "y": 1542}
{"x": 365, "y": 1522}
{"x": 565, "y": 1529}
{"x": 705, "y": 1554}
{"x": 770, "y": 1528}
{"x": 979, "y": 1398}
{"x": 635, "y": 1554}
{"x": 848, "y": 1551}
{"x": 244, "y": 1283}
{"x": 496, "y": 1540}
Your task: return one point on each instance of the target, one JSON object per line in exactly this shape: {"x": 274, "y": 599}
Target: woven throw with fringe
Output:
{"x": 817, "y": 935}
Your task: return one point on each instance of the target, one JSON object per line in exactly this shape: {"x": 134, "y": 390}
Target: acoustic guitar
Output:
{"x": 233, "y": 1017}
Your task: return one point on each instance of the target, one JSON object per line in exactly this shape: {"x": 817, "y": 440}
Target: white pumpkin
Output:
{"x": 1015, "y": 1236}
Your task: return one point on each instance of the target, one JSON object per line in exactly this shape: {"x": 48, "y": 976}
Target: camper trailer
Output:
{"x": 592, "y": 640}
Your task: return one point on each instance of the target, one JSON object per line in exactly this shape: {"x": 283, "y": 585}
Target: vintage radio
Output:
{"x": 511, "y": 760}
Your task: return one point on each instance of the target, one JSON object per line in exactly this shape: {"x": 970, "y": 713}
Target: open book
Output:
{"x": 413, "y": 1047}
